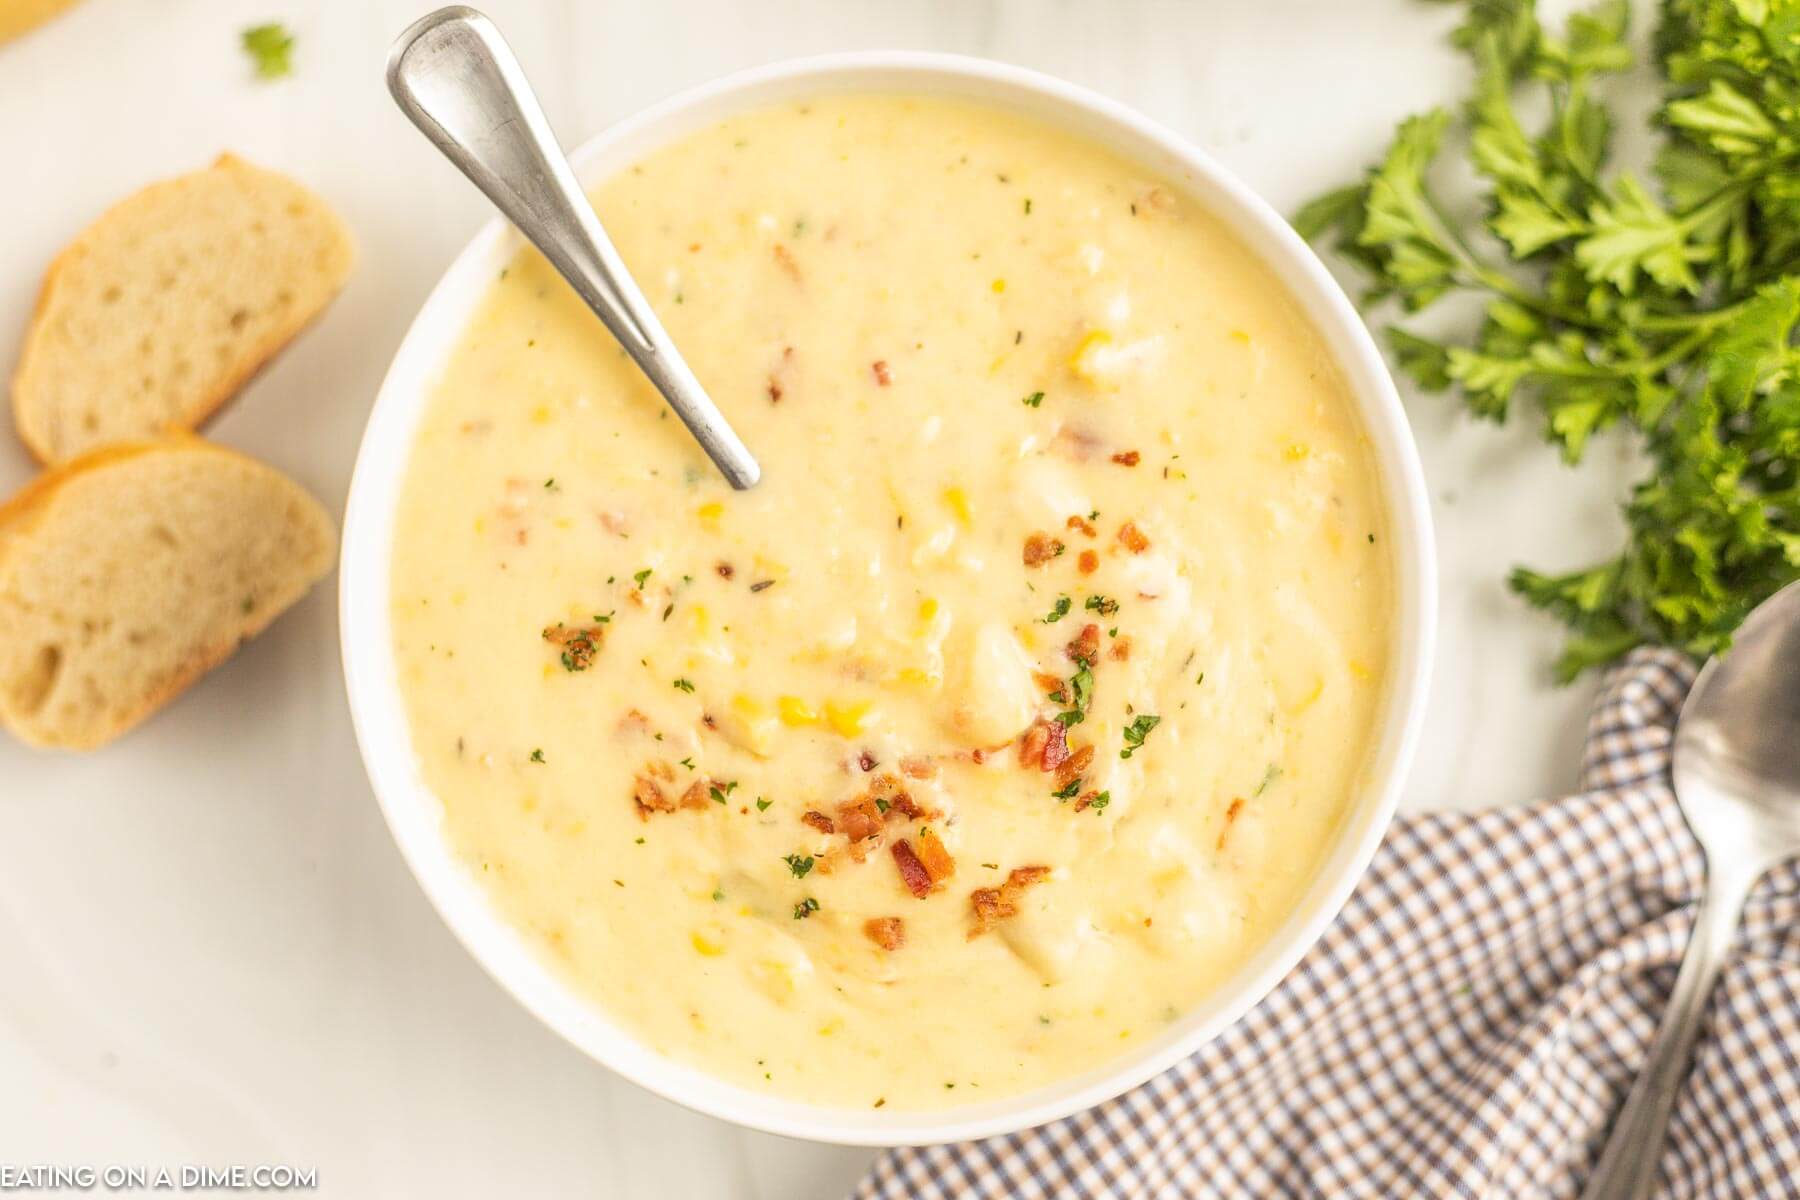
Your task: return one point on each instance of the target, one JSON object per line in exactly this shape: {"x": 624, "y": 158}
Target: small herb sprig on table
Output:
{"x": 1668, "y": 310}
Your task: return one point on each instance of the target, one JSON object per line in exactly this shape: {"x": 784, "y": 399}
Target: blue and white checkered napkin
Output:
{"x": 1471, "y": 1023}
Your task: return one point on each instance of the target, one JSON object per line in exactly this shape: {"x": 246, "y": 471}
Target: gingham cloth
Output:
{"x": 1469, "y": 1025}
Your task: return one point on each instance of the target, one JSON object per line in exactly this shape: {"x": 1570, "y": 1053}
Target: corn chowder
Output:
{"x": 1014, "y": 708}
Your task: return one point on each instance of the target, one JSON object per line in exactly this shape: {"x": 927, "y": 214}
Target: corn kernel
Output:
{"x": 1296, "y": 452}
{"x": 700, "y": 618}
{"x": 1360, "y": 669}
{"x": 999, "y": 285}
{"x": 847, "y": 719}
{"x": 1081, "y": 361}
{"x": 1238, "y": 335}
{"x": 749, "y": 706}
{"x": 540, "y": 415}
{"x": 958, "y": 500}
{"x": 796, "y": 712}
{"x": 705, "y": 945}
{"x": 709, "y": 514}
{"x": 830, "y": 1027}
{"x": 919, "y": 678}
{"x": 1307, "y": 701}
{"x": 928, "y": 608}
{"x": 480, "y": 524}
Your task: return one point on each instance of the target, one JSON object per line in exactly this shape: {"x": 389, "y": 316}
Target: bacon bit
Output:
{"x": 1045, "y": 745}
{"x": 917, "y": 766}
{"x": 1082, "y": 523}
{"x": 778, "y": 376}
{"x": 887, "y": 932}
{"x": 1088, "y": 563}
{"x": 1075, "y": 767}
{"x": 996, "y": 904}
{"x": 1086, "y": 798}
{"x": 708, "y": 720}
{"x": 1040, "y": 548}
{"x": 725, "y": 570}
{"x": 784, "y": 258}
{"x": 1132, "y": 538}
{"x": 1052, "y": 686}
{"x": 938, "y": 863}
{"x": 578, "y": 645}
{"x": 1231, "y": 813}
{"x": 693, "y": 247}
{"x": 695, "y": 796}
{"x": 866, "y": 760}
{"x": 1121, "y": 649}
{"x": 859, "y": 819}
{"x": 633, "y": 722}
{"x": 477, "y": 427}
{"x": 615, "y": 523}
{"x": 818, "y": 821}
{"x": 1085, "y": 646}
{"x": 657, "y": 768}
{"x": 883, "y": 376}
{"x": 912, "y": 872}
{"x": 1077, "y": 444}
{"x": 1126, "y": 458}
{"x": 648, "y": 797}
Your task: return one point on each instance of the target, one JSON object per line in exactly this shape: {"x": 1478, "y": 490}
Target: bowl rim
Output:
{"x": 413, "y": 813}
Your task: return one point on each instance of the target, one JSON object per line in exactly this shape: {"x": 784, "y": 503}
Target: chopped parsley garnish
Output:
{"x": 763, "y": 805}
{"x": 688, "y": 763}
{"x": 604, "y": 618}
{"x": 685, "y": 685}
{"x": 1059, "y": 610}
{"x": 718, "y": 894}
{"x": 1069, "y": 791}
{"x": 799, "y": 864}
{"x": 537, "y": 756}
{"x": 1137, "y": 731}
{"x": 805, "y": 909}
{"x": 1269, "y": 777}
{"x": 1028, "y": 206}
{"x": 881, "y": 806}
{"x": 1101, "y": 801}
{"x": 719, "y": 794}
{"x": 271, "y": 48}
{"x": 550, "y": 484}
{"x": 641, "y": 576}
{"x": 1034, "y": 400}
{"x": 1106, "y": 606}
{"x": 1082, "y": 684}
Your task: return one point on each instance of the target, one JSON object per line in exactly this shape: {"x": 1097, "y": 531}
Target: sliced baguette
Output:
{"x": 18, "y": 16}
{"x": 160, "y": 311}
{"x": 129, "y": 573}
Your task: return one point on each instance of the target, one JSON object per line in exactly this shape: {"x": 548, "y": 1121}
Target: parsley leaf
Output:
{"x": 1137, "y": 731}
{"x": 799, "y": 864}
{"x": 1668, "y": 311}
{"x": 1059, "y": 610}
{"x": 271, "y": 48}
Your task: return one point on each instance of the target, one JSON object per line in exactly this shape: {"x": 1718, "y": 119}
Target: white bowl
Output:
{"x": 415, "y": 815}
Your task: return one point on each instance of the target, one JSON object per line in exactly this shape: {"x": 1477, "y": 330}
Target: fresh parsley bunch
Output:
{"x": 1669, "y": 308}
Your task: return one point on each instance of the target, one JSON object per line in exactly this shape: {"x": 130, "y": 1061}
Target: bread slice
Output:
{"x": 161, "y": 310}
{"x": 129, "y": 573}
{"x": 17, "y": 16}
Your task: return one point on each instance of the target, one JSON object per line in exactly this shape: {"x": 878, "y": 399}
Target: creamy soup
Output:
{"x": 1009, "y": 714}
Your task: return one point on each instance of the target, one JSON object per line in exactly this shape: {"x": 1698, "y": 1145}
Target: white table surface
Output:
{"x": 210, "y": 951}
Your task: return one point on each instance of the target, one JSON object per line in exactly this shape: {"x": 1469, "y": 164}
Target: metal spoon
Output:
{"x": 454, "y": 75}
{"x": 1737, "y": 779}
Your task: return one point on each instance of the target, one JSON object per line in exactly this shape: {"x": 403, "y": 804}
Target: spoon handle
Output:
{"x": 1628, "y": 1166}
{"x": 454, "y": 75}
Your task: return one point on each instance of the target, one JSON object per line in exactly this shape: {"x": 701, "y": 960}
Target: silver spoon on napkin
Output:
{"x": 1737, "y": 779}
{"x": 454, "y": 75}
